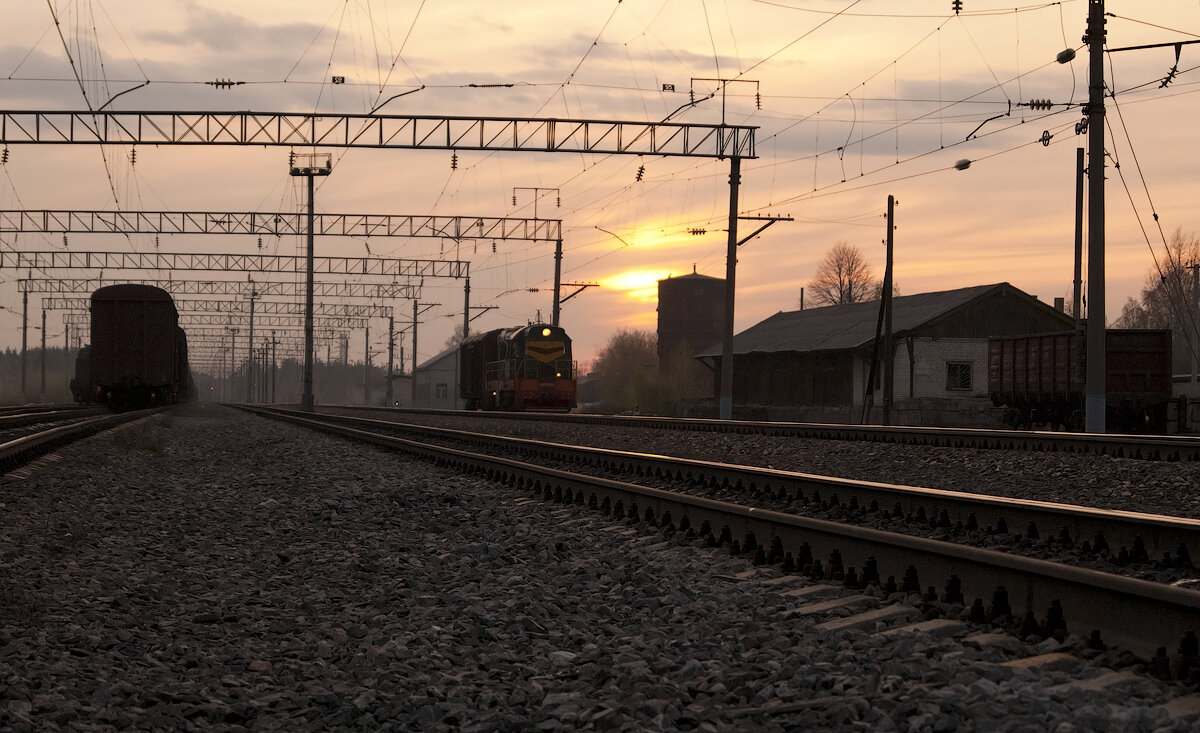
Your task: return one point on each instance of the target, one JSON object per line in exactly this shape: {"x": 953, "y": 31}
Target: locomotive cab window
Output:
{"x": 958, "y": 376}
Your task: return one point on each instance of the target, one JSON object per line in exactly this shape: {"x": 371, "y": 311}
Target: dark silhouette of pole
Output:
{"x": 889, "y": 354}
{"x": 1077, "y": 304}
{"x": 306, "y": 397}
{"x": 1096, "y": 379}
{"x": 726, "y": 396}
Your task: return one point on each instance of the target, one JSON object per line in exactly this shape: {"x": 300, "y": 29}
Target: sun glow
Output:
{"x": 639, "y": 285}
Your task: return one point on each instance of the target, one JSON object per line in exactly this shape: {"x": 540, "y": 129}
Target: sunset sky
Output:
{"x": 853, "y": 100}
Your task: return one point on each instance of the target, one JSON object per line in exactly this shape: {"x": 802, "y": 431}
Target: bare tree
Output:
{"x": 1167, "y": 298}
{"x": 844, "y": 277}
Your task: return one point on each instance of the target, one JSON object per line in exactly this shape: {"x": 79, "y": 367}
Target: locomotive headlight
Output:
{"x": 545, "y": 332}
{"x": 558, "y": 375}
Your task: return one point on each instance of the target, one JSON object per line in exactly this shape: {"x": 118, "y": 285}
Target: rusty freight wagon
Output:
{"x": 1041, "y": 379}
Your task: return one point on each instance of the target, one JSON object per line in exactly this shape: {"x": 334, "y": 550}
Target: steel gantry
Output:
{"x": 408, "y": 132}
{"x": 371, "y": 291}
{"x": 46, "y": 221}
{"x": 239, "y": 307}
{"x": 250, "y": 263}
{"x": 401, "y": 132}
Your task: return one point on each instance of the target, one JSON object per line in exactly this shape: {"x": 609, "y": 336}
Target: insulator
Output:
{"x": 64, "y": 240}
{"x": 758, "y": 100}
{"x": 156, "y": 241}
{"x": 260, "y": 241}
{"x": 493, "y": 248}
{"x": 692, "y": 96}
{"x": 4, "y": 155}
{"x": 641, "y": 171}
{"x": 558, "y": 202}
{"x": 292, "y": 159}
{"x": 454, "y": 162}
{"x": 514, "y": 199}
{"x": 956, "y": 5}
{"x": 133, "y": 156}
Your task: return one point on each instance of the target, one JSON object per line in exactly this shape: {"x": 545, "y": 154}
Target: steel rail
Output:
{"x": 1159, "y": 535}
{"x": 1145, "y": 447}
{"x": 20, "y": 419}
{"x": 1139, "y": 616}
{"x": 18, "y": 452}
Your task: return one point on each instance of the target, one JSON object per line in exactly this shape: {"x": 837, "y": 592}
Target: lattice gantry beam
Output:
{"x": 378, "y": 131}
{"x": 242, "y": 308}
{"x": 372, "y": 291}
{"x": 278, "y": 224}
{"x": 52, "y": 260}
{"x": 78, "y": 319}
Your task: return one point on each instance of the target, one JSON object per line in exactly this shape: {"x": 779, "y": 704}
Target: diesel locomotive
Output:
{"x": 521, "y": 368}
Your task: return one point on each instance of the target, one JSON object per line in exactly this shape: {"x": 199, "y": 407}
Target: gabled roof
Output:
{"x": 850, "y": 326}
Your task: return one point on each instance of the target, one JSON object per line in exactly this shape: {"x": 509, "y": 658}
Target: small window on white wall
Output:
{"x": 958, "y": 376}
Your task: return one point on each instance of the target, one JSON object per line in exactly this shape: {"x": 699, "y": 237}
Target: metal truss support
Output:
{"x": 257, "y": 263}
{"x": 188, "y": 320}
{"x": 371, "y": 291}
{"x": 278, "y": 224}
{"x": 378, "y": 131}
{"x": 238, "y": 307}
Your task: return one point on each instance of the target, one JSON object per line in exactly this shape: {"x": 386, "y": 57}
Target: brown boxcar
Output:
{"x": 138, "y": 353}
{"x": 1041, "y": 377}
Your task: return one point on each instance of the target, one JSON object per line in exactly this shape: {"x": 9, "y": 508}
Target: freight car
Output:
{"x": 1041, "y": 379}
{"x": 138, "y": 356}
{"x": 81, "y": 387}
{"x": 521, "y": 368}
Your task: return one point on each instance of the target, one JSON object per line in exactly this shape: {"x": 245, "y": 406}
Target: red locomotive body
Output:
{"x": 522, "y": 368}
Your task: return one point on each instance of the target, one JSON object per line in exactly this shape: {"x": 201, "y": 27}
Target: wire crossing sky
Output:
{"x": 853, "y": 99}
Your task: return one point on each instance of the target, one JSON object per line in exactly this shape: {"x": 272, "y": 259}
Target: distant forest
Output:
{"x": 335, "y": 383}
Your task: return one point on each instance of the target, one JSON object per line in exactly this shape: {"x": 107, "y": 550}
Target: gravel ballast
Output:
{"x": 212, "y": 570}
{"x": 1105, "y": 482}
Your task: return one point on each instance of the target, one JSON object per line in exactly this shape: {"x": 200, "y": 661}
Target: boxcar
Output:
{"x": 138, "y": 354}
{"x": 82, "y": 389}
{"x": 1042, "y": 377}
{"x": 523, "y": 368}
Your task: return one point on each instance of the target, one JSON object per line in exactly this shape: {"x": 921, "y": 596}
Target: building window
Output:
{"x": 958, "y": 376}
{"x": 442, "y": 391}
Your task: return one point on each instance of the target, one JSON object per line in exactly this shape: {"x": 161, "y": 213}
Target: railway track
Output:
{"x": 1151, "y": 620}
{"x": 1083, "y": 532}
{"x": 1146, "y": 447}
{"x": 37, "y": 434}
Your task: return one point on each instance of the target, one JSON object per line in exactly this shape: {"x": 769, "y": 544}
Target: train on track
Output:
{"x": 1041, "y": 379}
{"x": 521, "y": 368}
{"x": 138, "y": 356}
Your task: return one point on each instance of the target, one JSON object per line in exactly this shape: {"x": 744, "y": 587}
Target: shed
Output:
{"x": 822, "y": 356}
{"x": 437, "y": 381}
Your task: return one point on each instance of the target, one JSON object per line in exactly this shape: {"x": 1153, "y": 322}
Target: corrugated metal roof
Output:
{"x": 840, "y": 327}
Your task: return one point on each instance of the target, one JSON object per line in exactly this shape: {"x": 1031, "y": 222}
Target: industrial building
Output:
{"x": 691, "y": 314}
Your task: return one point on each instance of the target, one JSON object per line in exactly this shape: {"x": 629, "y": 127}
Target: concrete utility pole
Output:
{"x": 24, "y": 341}
{"x": 1096, "y": 386}
{"x": 1076, "y": 303}
{"x": 388, "y": 390}
{"x": 253, "y": 296}
{"x": 889, "y": 354}
{"x": 43, "y": 392}
{"x": 726, "y": 398}
{"x": 367, "y": 365}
